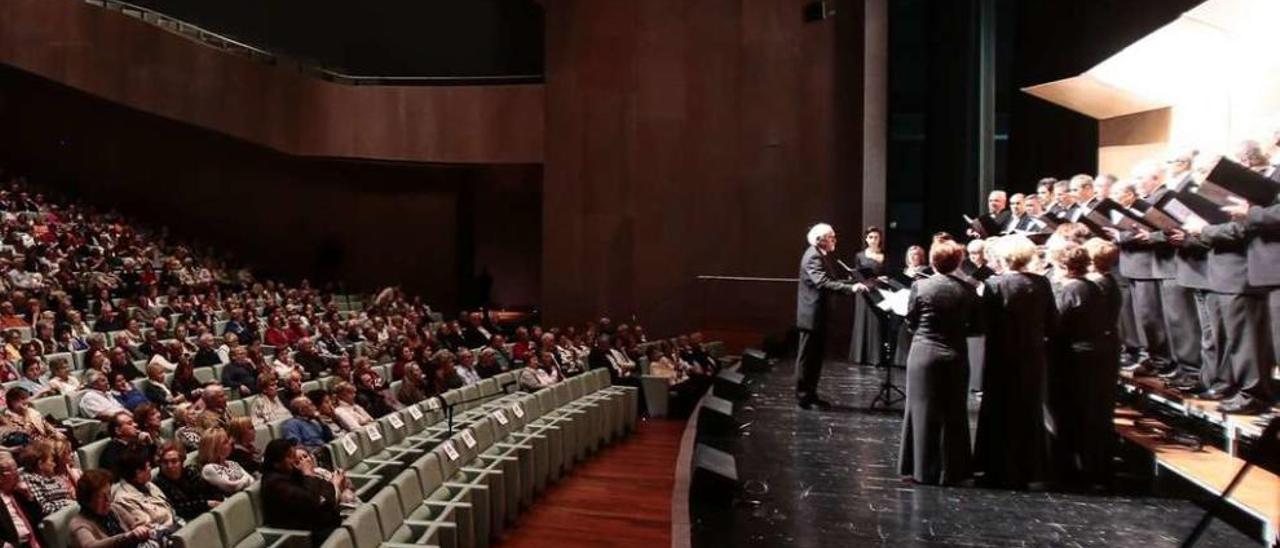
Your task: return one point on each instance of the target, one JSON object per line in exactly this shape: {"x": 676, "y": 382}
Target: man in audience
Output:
{"x": 306, "y": 428}
{"x": 240, "y": 375}
{"x": 17, "y": 515}
{"x": 214, "y": 399}
{"x": 206, "y": 355}
{"x": 293, "y": 500}
{"x": 125, "y": 437}
{"x": 97, "y": 401}
{"x": 475, "y": 334}
{"x": 310, "y": 359}
{"x": 498, "y": 343}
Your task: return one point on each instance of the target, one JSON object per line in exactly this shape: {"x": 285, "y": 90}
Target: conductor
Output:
{"x": 817, "y": 280}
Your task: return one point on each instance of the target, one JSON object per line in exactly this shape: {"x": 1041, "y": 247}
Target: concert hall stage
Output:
{"x": 829, "y": 478}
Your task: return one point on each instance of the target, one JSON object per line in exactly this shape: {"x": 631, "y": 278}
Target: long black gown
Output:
{"x": 1079, "y": 447}
{"x": 1019, "y": 313}
{"x": 943, "y": 311}
{"x": 864, "y": 347}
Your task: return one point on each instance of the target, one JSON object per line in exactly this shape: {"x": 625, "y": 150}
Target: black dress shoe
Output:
{"x": 1188, "y": 386}
{"x": 821, "y": 404}
{"x": 805, "y": 404}
{"x": 1244, "y": 406}
{"x": 1213, "y": 394}
{"x": 1169, "y": 372}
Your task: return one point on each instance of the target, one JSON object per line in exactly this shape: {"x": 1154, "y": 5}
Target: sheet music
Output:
{"x": 894, "y": 301}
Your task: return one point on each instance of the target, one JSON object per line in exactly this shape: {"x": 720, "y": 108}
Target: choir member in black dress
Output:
{"x": 1077, "y": 445}
{"x": 865, "y": 348}
{"x": 943, "y": 310}
{"x": 1103, "y": 256}
{"x": 1019, "y": 314}
{"x": 917, "y": 268}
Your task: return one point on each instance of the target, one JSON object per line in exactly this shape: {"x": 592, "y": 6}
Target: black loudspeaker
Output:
{"x": 716, "y": 418}
{"x": 715, "y": 476}
{"x": 730, "y": 385}
{"x": 754, "y": 361}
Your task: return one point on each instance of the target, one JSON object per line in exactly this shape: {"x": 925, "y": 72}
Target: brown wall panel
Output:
{"x": 145, "y": 67}
{"x": 693, "y": 137}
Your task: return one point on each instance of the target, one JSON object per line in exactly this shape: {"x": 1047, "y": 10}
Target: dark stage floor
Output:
{"x": 830, "y": 479}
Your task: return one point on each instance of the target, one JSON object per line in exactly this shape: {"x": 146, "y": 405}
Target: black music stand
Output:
{"x": 889, "y": 394}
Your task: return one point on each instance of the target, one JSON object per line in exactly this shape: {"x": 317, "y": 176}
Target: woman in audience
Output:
{"x": 189, "y": 495}
{"x": 412, "y": 386}
{"x": 65, "y": 467}
{"x": 285, "y": 367}
{"x": 241, "y": 432}
{"x": 267, "y": 407}
{"x": 293, "y": 500}
{"x": 155, "y": 389}
{"x": 137, "y": 502}
{"x": 349, "y": 414}
{"x": 943, "y": 310}
{"x": 47, "y": 489}
{"x": 223, "y": 474}
{"x": 307, "y": 465}
{"x": 1020, "y": 313}
{"x": 149, "y": 419}
{"x": 95, "y": 526}
{"x": 21, "y": 418}
{"x": 534, "y": 377}
{"x": 323, "y": 402}
{"x": 61, "y": 379}
{"x": 184, "y": 381}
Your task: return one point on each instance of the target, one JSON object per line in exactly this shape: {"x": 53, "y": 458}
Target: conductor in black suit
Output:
{"x": 818, "y": 279}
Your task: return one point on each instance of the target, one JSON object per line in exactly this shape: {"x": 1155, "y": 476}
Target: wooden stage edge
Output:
{"x": 1209, "y": 468}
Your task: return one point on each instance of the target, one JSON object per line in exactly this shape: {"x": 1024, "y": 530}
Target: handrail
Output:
{"x": 207, "y": 37}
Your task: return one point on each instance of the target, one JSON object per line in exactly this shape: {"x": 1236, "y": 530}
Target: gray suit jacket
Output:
{"x": 1263, "y": 224}
{"x": 816, "y": 280}
{"x": 1228, "y": 260}
{"x": 1137, "y": 259}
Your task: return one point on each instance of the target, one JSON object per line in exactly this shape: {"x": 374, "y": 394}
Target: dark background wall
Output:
{"x": 690, "y": 137}
{"x": 367, "y": 223}
{"x": 381, "y": 37}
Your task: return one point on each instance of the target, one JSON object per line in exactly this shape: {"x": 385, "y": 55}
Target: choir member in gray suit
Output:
{"x": 1137, "y": 264}
{"x": 1239, "y": 310}
{"x": 1181, "y": 321}
{"x": 943, "y": 311}
{"x": 818, "y": 279}
{"x": 1019, "y": 314}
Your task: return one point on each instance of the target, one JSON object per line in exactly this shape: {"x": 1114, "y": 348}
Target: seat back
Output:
{"x": 408, "y": 487}
{"x": 255, "y": 497}
{"x": 386, "y": 504}
{"x": 363, "y": 527}
{"x": 448, "y": 466}
{"x": 55, "y": 406}
{"x": 201, "y": 532}
{"x": 261, "y": 437}
{"x": 342, "y": 458}
{"x": 368, "y": 442}
{"x": 470, "y": 393}
{"x": 489, "y": 387}
{"x": 235, "y": 519}
{"x": 339, "y": 538}
{"x": 430, "y": 474}
{"x": 204, "y": 374}
{"x": 392, "y": 434}
{"x": 576, "y": 387}
{"x": 90, "y": 453}
{"x": 547, "y": 401}
{"x": 55, "y": 529}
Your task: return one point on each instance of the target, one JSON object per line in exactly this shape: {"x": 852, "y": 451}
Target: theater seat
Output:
{"x": 201, "y": 532}
{"x": 55, "y": 529}
{"x": 91, "y": 453}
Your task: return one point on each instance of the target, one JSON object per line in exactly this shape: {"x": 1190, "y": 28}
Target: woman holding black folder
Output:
{"x": 869, "y": 263}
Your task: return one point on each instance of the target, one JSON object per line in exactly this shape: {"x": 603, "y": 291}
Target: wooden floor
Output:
{"x": 619, "y": 497}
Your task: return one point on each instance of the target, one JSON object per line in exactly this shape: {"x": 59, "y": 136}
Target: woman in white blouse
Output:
{"x": 223, "y": 474}
{"x": 349, "y": 413}
{"x": 267, "y": 407}
{"x": 60, "y": 378}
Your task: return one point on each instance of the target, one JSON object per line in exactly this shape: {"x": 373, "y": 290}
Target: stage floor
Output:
{"x": 829, "y": 478}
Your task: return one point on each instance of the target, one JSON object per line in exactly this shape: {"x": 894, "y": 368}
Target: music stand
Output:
{"x": 889, "y": 394}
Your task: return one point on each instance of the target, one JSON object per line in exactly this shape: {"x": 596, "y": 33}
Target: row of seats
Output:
{"x": 428, "y": 479}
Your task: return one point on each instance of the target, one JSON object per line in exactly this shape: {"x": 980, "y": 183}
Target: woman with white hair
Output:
{"x": 1020, "y": 313}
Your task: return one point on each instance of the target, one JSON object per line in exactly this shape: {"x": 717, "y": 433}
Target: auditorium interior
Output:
{"x": 687, "y": 273}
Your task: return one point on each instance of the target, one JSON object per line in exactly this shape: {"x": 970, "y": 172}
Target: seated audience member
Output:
{"x": 149, "y": 419}
{"x": 216, "y": 468}
{"x": 98, "y": 402}
{"x": 568, "y": 360}
{"x": 64, "y": 462}
{"x": 293, "y": 500}
{"x": 214, "y": 399}
{"x": 286, "y": 367}
{"x": 349, "y": 414}
{"x": 188, "y": 427}
{"x": 307, "y": 464}
{"x": 305, "y": 428}
{"x": 403, "y": 359}
{"x": 21, "y": 417}
{"x": 206, "y": 356}
{"x": 413, "y": 387}
{"x": 275, "y": 334}
{"x": 229, "y": 343}
{"x": 126, "y": 438}
{"x": 61, "y": 379}
{"x": 184, "y": 381}
{"x": 372, "y": 392}
{"x": 466, "y": 367}
{"x": 310, "y": 359}
{"x": 156, "y": 391}
{"x": 121, "y": 364}
{"x": 95, "y": 526}
{"x": 166, "y": 357}
{"x": 534, "y": 377}
{"x": 488, "y": 366}
{"x": 45, "y": 486}
{"x": 137, "y": 502}
{"x": 189, "y": 495}
{"x": 33, "y": 379}
{"x": 622, "y": 369}
{"x": 267, "y": 407}
{"x": 241, "y": 432}
{"x": 498, "y": 343}
{"x": 240, "y": 374}
{"x": 126, "y": 393}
